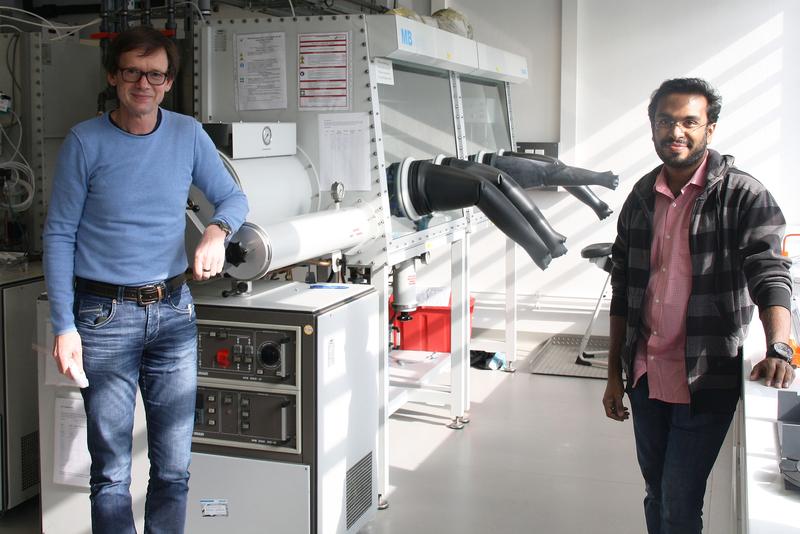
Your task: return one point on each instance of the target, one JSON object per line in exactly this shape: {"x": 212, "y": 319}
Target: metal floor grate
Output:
{"x": 557, "y": 355}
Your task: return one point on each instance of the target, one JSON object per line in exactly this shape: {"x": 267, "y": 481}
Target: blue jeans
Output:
{"x": 154, "y": 347}
{"x": 676, "y": 452}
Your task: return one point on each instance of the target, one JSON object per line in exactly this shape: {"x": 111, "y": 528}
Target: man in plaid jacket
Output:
{"x": 697, "y": 247}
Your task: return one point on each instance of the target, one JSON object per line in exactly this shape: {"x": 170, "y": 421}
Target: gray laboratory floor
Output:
{"x": 538, "y": 457}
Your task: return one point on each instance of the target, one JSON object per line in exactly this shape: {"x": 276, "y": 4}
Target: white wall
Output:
{"x": 606, "y": 58}
{"x": 749, "y": 50}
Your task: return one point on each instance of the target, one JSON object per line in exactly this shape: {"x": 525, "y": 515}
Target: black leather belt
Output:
{"x": 143, "y": 295}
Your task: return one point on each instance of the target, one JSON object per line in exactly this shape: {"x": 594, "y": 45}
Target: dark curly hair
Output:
{"x": 687, "y": 86}
{"x": 147, "y": 39}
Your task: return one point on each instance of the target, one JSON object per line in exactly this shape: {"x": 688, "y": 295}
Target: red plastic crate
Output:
{"x": 429, "y": 330}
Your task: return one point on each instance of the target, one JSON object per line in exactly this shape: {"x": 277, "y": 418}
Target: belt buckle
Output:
{"x": 150, "y": 294}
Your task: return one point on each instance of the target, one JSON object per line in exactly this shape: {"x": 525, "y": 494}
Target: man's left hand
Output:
{"x": 209, "y": 257}
{"x": 776, "y": 372}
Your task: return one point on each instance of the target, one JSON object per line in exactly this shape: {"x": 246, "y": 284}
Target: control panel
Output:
{"x": 266, "y": 355}
{"x": 251, "y": 419}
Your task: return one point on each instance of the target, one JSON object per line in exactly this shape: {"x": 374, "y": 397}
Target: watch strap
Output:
{"x": 222, "y": 226}
{"x": 773, "y": 352}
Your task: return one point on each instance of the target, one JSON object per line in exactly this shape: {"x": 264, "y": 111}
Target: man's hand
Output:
{"x": 777, "y": 325}
{"x": 776, "y": 372}
{"x": 209, "y": 257}
{"x": 66, "y": 350}
{"x": 612, "y": 399}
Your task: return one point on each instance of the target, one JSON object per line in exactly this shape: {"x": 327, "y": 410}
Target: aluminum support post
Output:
{"x": 458, "y": 346}
{"x": 511, "y": 306}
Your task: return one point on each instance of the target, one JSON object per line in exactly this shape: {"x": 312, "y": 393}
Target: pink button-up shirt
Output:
{"x": 661, "y": 352}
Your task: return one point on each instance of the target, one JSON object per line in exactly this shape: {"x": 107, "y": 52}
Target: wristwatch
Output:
{"x": 780, "y": 350}
{"x": 223, "y": 226}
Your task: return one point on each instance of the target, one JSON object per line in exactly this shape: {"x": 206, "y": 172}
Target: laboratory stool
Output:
{"x": 600, "y": 255}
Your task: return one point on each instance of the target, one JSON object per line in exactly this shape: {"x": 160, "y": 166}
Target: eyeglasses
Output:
{"x": 132, "y": 75}
{"x": 686, "y": 125}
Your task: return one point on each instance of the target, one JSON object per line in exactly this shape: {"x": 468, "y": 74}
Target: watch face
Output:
{"x": 783, "y": 350}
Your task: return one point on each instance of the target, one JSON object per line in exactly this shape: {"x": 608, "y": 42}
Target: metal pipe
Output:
{"x": 404, "y": 288}
{"x": 145, "y": 12}
{"x": 262, "y": 249}
{"x": 171, "y": 24}
{"x": 369, "y": 5}
{"x": 105, "y": 14}
{"x": 123, "y": 15}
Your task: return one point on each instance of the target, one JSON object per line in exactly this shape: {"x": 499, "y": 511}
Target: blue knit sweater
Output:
{"x": 117, "y": 210}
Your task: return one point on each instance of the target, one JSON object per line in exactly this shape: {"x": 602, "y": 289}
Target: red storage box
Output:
{"x": 429, "y": 330}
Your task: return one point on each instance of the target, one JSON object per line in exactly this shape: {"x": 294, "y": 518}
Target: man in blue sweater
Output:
{"x": 114, "y": 265}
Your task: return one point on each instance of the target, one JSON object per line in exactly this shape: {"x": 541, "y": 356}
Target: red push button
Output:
{"x": 224, "y": 358}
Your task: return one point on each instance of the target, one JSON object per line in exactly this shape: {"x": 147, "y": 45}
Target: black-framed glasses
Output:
{"x": 132, "y": 75}
{"x": 686, "y": 125}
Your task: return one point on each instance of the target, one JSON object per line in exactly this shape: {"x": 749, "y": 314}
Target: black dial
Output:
{"x": 270, "y": 354}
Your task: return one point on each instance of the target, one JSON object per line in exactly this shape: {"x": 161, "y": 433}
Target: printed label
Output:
{"x": 214, "y": 507}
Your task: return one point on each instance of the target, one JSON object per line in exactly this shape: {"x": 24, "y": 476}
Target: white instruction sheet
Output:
{"x": 261, "y": 71}
{"x": 383, "y": 71}
{"x": 323, "y": 71}
{"x": 344, "y": 147}
{"x": 71, "y": 455}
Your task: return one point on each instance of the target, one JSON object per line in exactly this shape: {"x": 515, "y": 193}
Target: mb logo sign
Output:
{"x": 405, "y": 37}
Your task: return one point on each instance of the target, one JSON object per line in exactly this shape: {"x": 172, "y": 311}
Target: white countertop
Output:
{"x": 771, "y": 509}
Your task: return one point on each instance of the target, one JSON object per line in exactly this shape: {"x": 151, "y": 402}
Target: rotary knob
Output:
{"x": 270, "y": 354}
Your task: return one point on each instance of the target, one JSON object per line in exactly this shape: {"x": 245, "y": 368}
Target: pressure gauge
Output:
{"x": 337, "y": 191}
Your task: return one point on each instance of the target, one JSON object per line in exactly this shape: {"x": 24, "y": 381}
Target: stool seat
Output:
{"x": 596, "y": 250}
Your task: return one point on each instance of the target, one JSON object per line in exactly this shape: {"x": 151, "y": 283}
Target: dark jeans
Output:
{"x": 153, "y": 347}
{"x": 676, "y": 451}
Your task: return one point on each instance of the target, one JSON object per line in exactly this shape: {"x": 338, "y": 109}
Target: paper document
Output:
{"x": 344, "y": 147}
{"x": 71, "y": 460}
{"x": 323, "y": 71}
{"x": 261, "y": 71}
{"x": 383, "y": 71}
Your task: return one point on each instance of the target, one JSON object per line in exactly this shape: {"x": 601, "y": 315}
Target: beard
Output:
{"x": 696, "y": 152}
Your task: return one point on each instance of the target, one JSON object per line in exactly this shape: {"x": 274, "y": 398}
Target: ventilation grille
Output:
{"x": 30, "y": 460}
{"x": 359, "y": 489}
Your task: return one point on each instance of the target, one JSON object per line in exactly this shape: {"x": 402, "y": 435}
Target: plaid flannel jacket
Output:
{"x": 734, "y": 240}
